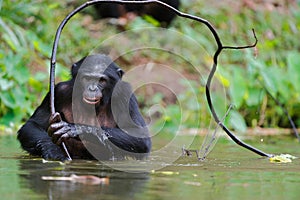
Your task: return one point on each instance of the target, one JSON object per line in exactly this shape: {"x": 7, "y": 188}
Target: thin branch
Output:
{"x": 207, "y": 148}
{"x": 246, "y": 46}
{"x": 286, "y": 113}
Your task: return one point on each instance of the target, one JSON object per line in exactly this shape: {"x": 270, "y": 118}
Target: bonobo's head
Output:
{"x": 97, "y": 76}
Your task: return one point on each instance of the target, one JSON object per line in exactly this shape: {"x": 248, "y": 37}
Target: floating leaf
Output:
{"x": 282, "y": 158}
{"x": 53, "y": 161}
{"x": 164, "y": 172}
{"x": 192, "y": 183}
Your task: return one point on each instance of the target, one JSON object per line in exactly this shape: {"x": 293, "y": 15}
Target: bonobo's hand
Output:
{"x": 51, "y": 151}
{"x": 59, "y": 130}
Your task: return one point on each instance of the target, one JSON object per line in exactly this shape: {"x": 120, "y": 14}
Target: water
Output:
{"x": 229, "y": 172}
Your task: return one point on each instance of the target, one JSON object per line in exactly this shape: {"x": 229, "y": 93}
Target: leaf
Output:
{"x": 269, "y": 81}
{"x": 8, "y": 99}
{"x": 238, "y": 87}
{"x": 282, "y": 158}
{"x": 192, "y": 183}
{"x": 237, "y": 121}
{"x": 8, "y": 118}
{"x": 9, "y": 36}
{"x": 19, "y": 96}
{"x": 151, "y": 20}
{"x": 164, "y": 172}
{"x": 38, "y": 44}
{"x": 254, "y": 96}
{"x": 21, "y": 75}
{"x": 219, "y": 102}
{"x": 5, "y": 84}
{"x": 223, "y": 79}
{"x": 35, "y": 84}
{"x": 293, "y": 62}
{"x": 40, "y": 76}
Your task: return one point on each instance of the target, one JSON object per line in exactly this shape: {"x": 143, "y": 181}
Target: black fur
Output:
{"x": 158, "y": 12}
{"x": 121, "y": 131}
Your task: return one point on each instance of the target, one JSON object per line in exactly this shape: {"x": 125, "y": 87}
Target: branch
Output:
{"x": 286, "y": 113}
{"x": 244, "y": 47}
{"x": 212, "y": 109}
{"x": 213, "y": 31}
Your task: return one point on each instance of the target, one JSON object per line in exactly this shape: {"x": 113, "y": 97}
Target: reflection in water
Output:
{"x": 120, "y": 183}
{"x": 228, "y": 173}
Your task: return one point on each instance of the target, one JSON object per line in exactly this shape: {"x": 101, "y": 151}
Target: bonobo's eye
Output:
{"x": 103, "y": 80}
{"x": 84, "y": 78}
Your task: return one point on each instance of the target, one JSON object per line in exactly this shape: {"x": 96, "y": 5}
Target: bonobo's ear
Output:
{"x": 120, "y": 72}
{"x": 74, "y": 70}
{"x": 76, "y": 66}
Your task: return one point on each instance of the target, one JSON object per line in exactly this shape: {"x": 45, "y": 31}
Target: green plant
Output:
{"x": 26, "y": 42}
{"x": 27, "y": 30}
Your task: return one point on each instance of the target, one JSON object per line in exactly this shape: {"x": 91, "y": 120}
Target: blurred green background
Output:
{"x": 27, "y": 30}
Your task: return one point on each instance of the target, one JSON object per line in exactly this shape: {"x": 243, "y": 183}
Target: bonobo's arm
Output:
{"x": 34, "y": 138}
{"x": 135, "y": 143}
{"x": 125, "y": 110}
{"x": 129, "y": 137}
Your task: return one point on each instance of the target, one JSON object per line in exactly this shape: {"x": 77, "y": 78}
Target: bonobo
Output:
{"x": 158, "y": 12}
{"x": 97, "y": 117}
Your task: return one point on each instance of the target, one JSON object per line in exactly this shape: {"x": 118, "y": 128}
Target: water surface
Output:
{"x": 229, "y": 172}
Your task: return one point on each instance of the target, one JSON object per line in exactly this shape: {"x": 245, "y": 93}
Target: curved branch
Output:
{"x": 220, "y": 47}
{"x": 89, "y": 3}
{"x": 212, "y": 109}
{"x": 246, "y": 46}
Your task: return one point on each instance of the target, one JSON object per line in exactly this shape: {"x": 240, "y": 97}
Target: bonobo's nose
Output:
{"x": 93, "y": 87}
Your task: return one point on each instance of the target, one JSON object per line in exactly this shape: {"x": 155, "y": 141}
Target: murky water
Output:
{"x": 230, "y": 172}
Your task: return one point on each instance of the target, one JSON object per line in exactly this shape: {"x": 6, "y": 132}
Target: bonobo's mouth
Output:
{"x": 92, "y": 101}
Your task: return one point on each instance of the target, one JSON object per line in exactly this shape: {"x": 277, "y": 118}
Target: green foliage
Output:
{"x": 247, "y": 78}
{"x": 15, "y": 97}
{"x": 275, "y": 67}
{"x": 27, "y": 31}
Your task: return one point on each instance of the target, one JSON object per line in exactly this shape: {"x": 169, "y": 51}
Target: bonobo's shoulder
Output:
{"x": 123, "y": 92}
{"x": 63, "y": 87}
{"x": 124, "y": 84}
{"x": 122, "y": 88}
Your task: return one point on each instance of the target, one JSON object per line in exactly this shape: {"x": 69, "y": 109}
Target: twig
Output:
{"x": 206, "y": 149}
{"x": 286, "y": 114}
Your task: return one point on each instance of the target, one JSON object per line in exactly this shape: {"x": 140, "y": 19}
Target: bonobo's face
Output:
{"x": 93, "y": 81}
{"x": 97, "y": 76}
